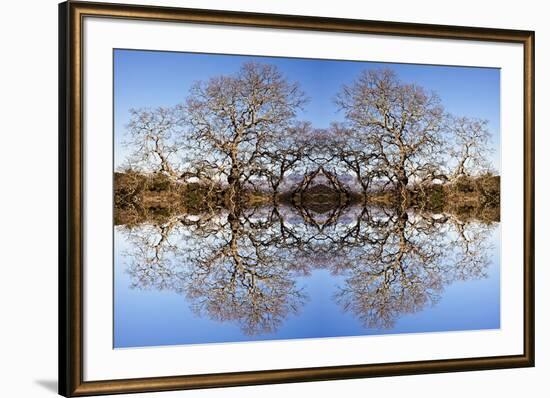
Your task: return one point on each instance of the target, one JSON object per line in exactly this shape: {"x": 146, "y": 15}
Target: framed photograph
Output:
{"x": 252, "y": 199}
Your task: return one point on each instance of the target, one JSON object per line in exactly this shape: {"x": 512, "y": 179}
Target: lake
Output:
{"x": 287, "y": 273}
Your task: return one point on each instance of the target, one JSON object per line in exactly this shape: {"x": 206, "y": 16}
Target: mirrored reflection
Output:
{"x": 249, "y": 266}
{"x": 406, "y": 261}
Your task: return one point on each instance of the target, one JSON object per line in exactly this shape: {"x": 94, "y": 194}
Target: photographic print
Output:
{"x": 263, "y": 198}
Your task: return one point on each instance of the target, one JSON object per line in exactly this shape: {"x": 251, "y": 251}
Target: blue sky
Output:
{"x": 158, "y": 78}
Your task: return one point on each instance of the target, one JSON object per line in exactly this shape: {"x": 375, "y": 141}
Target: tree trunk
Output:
{"x": 234, "y": 182}
{"x": 402, "y": 182}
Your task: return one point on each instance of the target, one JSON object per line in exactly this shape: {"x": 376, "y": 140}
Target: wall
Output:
{"x": 28, "y": 199}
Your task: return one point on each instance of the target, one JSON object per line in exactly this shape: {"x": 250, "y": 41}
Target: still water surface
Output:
{"x": 278, "y": 273}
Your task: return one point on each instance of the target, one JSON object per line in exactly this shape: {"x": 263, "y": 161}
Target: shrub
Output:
{"x": 159, "y": 183}
{"x": 128, "y": 188}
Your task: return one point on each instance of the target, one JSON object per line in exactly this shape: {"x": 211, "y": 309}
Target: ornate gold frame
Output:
{"x": 71, "y": 15}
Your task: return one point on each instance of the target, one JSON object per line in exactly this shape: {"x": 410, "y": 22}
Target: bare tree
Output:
{"x": 233, "y": 118}
{"x": 283, "y": 154}
{"x": 354, "y": 157}
{"x": 400, "y": 125}
{"x": 399, "y": 263}
{"x": 153, "y": 139}
{"x": 242, "y": 267}
{"x": 233, "y": 268}
{"x": 470, "y": 145}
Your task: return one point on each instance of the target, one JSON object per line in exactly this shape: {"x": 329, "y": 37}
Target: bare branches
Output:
{"x": 398, "y": 126}
{"x": 238, "y": 262}
{"x": 241, "y": 130}
{"x": 239, "y": 117}
{"x": 469, "y": 149}
{"x": 243, "y": 267}
{"x": 405, "y": 262}
{"x": 153, "y": 136}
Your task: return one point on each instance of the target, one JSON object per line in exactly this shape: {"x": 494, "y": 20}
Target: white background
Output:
{"x": 28, "y": 199}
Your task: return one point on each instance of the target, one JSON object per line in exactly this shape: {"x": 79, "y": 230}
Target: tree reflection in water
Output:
{"x": 399, "y": 263}
{"x": 242, "y": 266}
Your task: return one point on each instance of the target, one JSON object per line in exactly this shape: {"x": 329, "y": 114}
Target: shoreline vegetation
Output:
{"x": 140, "y": 198}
